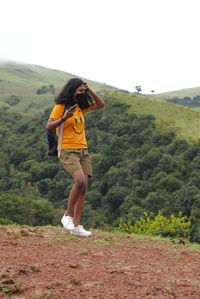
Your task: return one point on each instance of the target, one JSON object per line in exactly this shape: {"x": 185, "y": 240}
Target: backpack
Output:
{"x": 51, "y": 139}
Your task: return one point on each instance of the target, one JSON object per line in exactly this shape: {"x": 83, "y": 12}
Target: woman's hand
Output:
{"x": 69, "y": 113}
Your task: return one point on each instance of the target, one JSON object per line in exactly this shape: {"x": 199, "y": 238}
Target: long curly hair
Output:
{"x": 66, "y": 96}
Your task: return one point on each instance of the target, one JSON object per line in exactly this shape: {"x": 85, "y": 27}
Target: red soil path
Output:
{"x": 48, "y": 263}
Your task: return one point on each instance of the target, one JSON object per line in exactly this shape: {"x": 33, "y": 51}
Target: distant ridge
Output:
{"x": 181, "y": 93}
{"x": 20, "y": 82}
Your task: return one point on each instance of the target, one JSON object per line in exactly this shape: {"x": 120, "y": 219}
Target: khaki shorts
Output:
{"x": 76, "y": 159}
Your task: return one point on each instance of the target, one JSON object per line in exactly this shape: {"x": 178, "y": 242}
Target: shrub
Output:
{"x": 13, "y": 100}
{"x": 174, "y": 226}
{"x": 5, "y": 221}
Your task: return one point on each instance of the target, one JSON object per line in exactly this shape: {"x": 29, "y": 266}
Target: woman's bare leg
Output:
{"x": 78, "y": 208}
{"x": 77, "y": 192}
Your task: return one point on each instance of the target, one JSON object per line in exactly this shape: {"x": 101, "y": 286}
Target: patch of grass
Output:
{"x": 194, "y": 246}
{"x": 53, "y": 234}
{"x": 11, "y": 289}
{"x": 67, "y": 284}
{"x": 60, "y": 236}
{"x": 105, "y": 241}
{"x": 45, "y": 294}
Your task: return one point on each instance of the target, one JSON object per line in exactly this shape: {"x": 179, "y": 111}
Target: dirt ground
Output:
{"x": 48, "y": 263}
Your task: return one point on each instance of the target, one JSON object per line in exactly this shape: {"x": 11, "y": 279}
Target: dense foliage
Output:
{"x": 173, "y": 226}
{"x": 137, "y": 168}
{"x": 192, "y": 102}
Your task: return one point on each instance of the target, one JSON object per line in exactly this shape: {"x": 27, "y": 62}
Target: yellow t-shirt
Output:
{"x": 74, "y": 127}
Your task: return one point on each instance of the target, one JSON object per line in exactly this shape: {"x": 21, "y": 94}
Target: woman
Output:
{"x": 72, "y": 103}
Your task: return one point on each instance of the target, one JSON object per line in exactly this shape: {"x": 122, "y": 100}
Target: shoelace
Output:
{"x": 80, "y": 227}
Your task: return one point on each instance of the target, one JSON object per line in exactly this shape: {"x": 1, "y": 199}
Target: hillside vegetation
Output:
{"x": 19, "y": 84}
{"x": 146, "y": 161}
{"x": 168, "y": 116}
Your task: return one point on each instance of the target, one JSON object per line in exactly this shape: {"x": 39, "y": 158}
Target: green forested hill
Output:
{"x": 185, "y": 122}
{"x": 189, "y": 97}
{"x": 146, "y": 159}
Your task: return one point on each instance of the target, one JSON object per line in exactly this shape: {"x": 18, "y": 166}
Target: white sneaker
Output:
{"x": 80, "y": 231}
{"x": 67, "y": 222}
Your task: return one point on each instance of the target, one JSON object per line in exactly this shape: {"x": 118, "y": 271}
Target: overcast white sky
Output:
{"x": 152, "y": 43}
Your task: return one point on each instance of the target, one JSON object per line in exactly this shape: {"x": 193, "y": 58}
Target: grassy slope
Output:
{"x": 185, "y": 121}
{"x": 23, "y": 80}
{"x": 188, "y": 92}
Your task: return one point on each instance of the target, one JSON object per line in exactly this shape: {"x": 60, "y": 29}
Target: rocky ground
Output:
{"x": 48, "y": 263}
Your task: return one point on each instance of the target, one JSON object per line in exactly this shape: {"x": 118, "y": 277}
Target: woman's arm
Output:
{"x": 53, "y": 124}
{"x": 99, "y": 102}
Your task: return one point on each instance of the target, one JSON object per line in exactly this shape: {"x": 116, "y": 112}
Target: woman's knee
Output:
{"x": 80, "y": 180}
{"x": 81, "y": 183}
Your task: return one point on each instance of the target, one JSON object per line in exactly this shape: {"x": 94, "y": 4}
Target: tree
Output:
{"x": 195, "y": 221}
{"x": 138, "y": 88}
{"x": 24, "y": 210}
